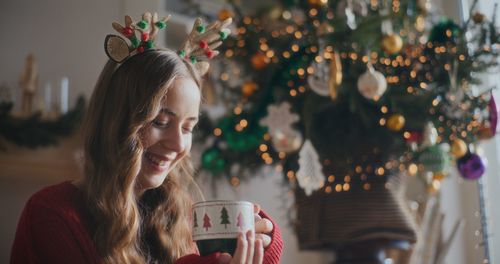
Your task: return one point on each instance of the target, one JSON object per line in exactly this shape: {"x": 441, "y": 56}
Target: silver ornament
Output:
{"x": 372, "y": 84}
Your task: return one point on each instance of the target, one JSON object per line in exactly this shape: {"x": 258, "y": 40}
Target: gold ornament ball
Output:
{"x": 396, "y": 122}
{"x": 478, "y": 18}
{"x": 225, "y": 14}
{"x": 458, "y": 148}
{"x": 392, "y": 43}
{"x": 259, "y": 61}
{"x": 248, "y": 88}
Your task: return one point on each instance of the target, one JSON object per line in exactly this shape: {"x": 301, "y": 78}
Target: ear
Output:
{"x": 116, "y": 48}
{"x": 202, "y": 67}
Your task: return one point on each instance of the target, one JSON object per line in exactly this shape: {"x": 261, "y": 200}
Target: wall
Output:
{"x": 67, "y": 38}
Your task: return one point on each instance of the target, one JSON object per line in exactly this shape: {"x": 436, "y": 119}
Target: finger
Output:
{"x": 224, "y": 258}
{"x": 256, "y": 218}
{"x": 256, "y": 208}
{"x": 251, "y": 246}
{"x": 258, "y": 257}
{"x": 266, "y": 240}
{"x": 241, "y": 249}
{"x": 264, "y": 226}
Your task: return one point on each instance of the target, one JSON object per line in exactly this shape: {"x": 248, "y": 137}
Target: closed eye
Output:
{"x": 160, "y": 123}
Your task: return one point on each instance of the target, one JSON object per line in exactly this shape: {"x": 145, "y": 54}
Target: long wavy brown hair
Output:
{"x": 130, "y": 229}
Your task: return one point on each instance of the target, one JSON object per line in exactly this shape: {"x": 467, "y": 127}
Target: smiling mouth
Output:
{"x": 156, "y": 161}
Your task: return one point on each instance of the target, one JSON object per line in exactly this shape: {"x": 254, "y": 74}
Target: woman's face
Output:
{"x": 168, "y": 139}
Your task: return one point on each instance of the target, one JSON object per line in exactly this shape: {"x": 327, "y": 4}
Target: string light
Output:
{"x": 237, "y": 110}
{"x": 313, "y": 12}
{"x": 331, "y": 178}
{"x": 243, "y": 123}
{"x": 235, "y": 181}
{"x": 217, "y": 132}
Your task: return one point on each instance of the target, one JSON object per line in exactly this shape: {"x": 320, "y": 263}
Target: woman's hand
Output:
{"x": 249, "y": 250}
{"x": 263, "y": 227}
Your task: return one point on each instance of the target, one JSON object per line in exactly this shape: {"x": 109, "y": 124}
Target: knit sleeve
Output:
{"x": 43, "y": 236}
{"x": 272, "y": 253}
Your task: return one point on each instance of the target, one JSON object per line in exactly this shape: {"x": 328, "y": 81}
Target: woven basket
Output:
{"x": 332, "y": 220}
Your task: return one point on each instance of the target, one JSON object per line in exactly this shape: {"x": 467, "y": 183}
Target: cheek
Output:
{"x": 149, "y": 137}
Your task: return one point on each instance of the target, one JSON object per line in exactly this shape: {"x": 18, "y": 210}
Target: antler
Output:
{"x": 199, "y": 46}
{"x": 201, "y": 43}
{"x": 127, "y": 31}
{"x": 148, "y": 28}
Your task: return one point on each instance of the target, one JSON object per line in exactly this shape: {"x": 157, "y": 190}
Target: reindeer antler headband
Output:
{"x": 199, "y": 46}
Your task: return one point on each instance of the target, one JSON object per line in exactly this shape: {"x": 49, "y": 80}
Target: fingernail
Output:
{"x": 224, "y": 258}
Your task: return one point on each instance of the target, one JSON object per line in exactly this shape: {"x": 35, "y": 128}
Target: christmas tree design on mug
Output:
{"x": 220, "y": 225}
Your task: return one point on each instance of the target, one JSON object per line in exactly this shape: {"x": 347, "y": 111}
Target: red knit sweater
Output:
{"x": 56, "y": 227}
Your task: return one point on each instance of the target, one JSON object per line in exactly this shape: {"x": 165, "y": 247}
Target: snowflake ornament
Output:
{"x": 309, "y": 176}
{"x": 279, "y": 119}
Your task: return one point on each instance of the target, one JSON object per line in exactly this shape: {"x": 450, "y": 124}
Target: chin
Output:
{"x": 151, "y": 181}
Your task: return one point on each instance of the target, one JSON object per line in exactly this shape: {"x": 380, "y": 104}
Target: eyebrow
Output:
{"x": 172, "y": 113}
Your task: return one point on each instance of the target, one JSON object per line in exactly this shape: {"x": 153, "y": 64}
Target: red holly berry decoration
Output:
{"x": 145, "y": 36}
{"x": 210, "y": 53}
{"x": 140, "y": 49}
{"x": 203, "y": 44}
{"x": 128, "y": 31}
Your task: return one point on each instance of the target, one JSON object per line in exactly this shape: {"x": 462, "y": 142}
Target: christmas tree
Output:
{"x": 195, "y": 220}
{"x": 339, "y": 94}
{"x": 239, "y": 221}
{"x": 224, "y": 217}
{"x": 206, "y": 222}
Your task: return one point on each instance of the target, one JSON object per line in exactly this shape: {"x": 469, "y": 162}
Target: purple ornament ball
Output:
{"x": 471, "y": 166}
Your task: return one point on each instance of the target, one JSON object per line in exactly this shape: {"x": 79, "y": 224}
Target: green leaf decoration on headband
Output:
{"x": 142, "y": 24}
{"x": 161, "y": 24}
{"x": 223, "y": 35}
{"x": 200, "y": 28}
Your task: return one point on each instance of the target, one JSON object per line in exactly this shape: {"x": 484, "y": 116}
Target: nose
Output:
{"x": 173, "y": 139}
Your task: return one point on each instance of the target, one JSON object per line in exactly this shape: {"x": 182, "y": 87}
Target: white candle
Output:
{"x": 64, "y": 95}
{"x": 48, "y": 97}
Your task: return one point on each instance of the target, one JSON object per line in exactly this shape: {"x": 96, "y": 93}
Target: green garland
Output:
{"x": 34, "y": 131}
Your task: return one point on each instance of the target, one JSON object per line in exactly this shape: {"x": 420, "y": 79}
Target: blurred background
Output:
{"x": 66, "y": 40}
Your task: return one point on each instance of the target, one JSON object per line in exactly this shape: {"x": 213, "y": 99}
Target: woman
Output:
{"x": 134, "y": 203}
